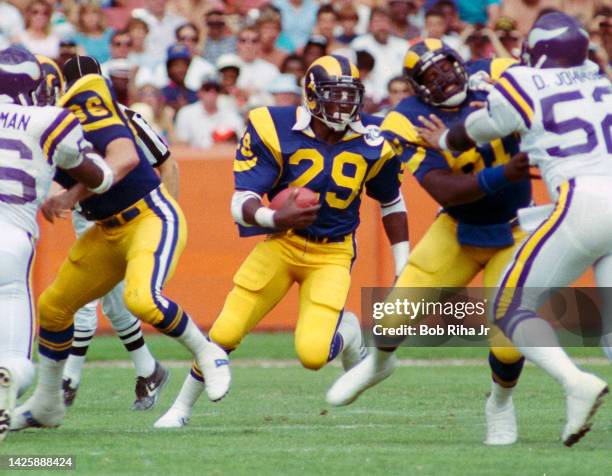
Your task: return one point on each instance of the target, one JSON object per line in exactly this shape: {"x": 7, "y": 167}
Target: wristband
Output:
{"x": 492, "y": 179}
{"x": 401, "y": 252}
{"x": 107, "y": 182}
{"x": 443, "y": 141}
{"x": 264, "y": 216}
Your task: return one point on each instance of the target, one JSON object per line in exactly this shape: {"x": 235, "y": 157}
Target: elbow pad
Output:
{"x": 108, "y": 177}
{"x": 395, "y": 206}
{"x": 238, "y": 200}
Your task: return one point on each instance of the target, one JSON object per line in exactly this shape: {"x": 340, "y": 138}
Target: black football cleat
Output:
{"x": 149, "y": 388}
{"x": 70, "y": 392}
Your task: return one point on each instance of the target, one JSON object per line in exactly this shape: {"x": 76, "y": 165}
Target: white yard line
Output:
{"x": 289, "y": 363}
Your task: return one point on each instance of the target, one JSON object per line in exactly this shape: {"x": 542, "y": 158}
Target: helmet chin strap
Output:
{"x": 455, "y": 99}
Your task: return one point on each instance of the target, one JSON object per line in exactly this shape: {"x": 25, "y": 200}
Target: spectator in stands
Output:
{"x": 315, "y": 47}
{"x": 162, "y": 27}
{"x": 479, "y": 41}
{"x": 525, "y": 12}
{"x": 37, "y": 36}
{"x": 176, "y": 93}
{"x": 189, "y": 35}
{"x": 121, "y": 74}
{"x": 327, "y": 25}
{"x": 400, "y": 24}
{"x": 204, "y": 123}
{"x": 398, "y": 88}
{"x": 449, "y": 9}
{"x": 119, "y": 50}
{"x": 138, "y": 31}
{"x": 388, "y": 50}
{"x": 436, "y": 26}
{"x": 11, "y": 23}
{"x": 298, "y": 19}
{"x": 366, "y": 63}
{"x": 294, "y": 64}
{"x": 347, "y": 18}
{"x": 255, "y": 72}
{"x": 118, "y": 13}
{"x": 92, "y": 36}
{"x": 285, "y": 91}
{"x": 509, "y": 37}
{"x": 269, "y": 27}
{"x": 218, "y": 40}
{"x": 163, "y": 115}
{"x": 363, "y": 12}
{"x": 481, "y": 12}
{"x": 67, "y": 49}
{"x": 228, "y": 66}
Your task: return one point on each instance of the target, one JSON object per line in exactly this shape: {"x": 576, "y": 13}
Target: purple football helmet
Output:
{"x": 556, "y": 40}
{"x": 20, "y": 75}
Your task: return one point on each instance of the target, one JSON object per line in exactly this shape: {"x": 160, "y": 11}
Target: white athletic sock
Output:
{"x": 74, "y": 368}
{"x": 350, "y": 333}
{"x": 500, "y": 395}
{"x": 193, "y": 339}
{"x": 133, "y": 340}
{"x": 606, "y": 345}
{"x": 49, "y": 389}
{"x": 189, "y": 394}
{"x": 144, "y": 362}
{"x": 538, "y": 342}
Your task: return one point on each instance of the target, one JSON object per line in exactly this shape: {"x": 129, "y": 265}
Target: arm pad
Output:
{"x": 108, "y": 177}
{"x": 238, "y": 200}
{"x": 394, "y": 206}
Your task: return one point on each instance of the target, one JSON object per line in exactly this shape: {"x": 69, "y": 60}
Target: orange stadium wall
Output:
{"x": 214, "y": 250}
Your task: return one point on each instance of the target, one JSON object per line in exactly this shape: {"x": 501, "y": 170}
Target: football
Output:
{"x": 305, "y": 197}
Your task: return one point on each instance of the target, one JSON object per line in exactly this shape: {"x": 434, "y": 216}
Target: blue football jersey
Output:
{"x": 399, "y": 128}
{"x": 276, "y": 152}
{"x": 93, "y": 102}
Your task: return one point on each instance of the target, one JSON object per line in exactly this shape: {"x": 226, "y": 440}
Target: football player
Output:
{"x": 139, "y": 235}
{"x": 328, "y": 146}
{"x": 150, "y": 374}
{"x": 560, "y": 105}
{"x": 475, "y": 231}
{"x": 33, "y": 142}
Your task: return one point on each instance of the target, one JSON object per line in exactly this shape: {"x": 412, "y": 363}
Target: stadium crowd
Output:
{"x": 193, "y": 68}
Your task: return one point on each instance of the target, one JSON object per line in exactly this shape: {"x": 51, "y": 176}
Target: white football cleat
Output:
{"x": 214, "y": 364}
{"x": 33, "y": 414}
{"x": 582, "y": 399}
{"x": 354, "y": 351}
{"x": 173, "y": 418}
{"x": 501, "y": 423}
{"x": 8, "y": 396}
{"x": 376, "y": 367}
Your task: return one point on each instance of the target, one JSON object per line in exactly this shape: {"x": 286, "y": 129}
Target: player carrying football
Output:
{"x": 139, "y": 236}
{"x": 328, "y": 146}
{"x": 476, "y": 229}
{"x": 560, "y": 105}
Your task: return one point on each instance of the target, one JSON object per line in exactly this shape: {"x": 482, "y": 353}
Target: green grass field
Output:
{"x": 426, "y": 419}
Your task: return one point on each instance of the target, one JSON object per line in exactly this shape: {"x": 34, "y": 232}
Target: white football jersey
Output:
{"x": 33, "y": 141}
{"x": 564, "y": 117}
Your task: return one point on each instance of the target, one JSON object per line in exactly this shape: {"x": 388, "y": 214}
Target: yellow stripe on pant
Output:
{"x": 519, "y": 269}
{"x": 144, "y": 251}
{"x": 323, "y": 272}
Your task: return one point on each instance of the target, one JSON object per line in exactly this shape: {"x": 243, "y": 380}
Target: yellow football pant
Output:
{"x": 143, "y": 251}
{"x": 439, "y": 260}
{"x": 322, "y": 271}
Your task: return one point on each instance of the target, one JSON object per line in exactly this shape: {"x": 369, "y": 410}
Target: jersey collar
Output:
{"x": 302, "y": 124}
